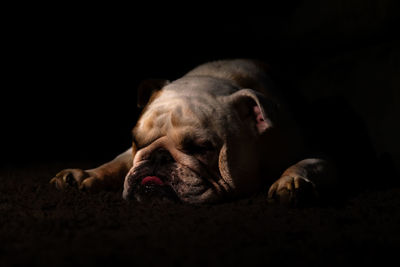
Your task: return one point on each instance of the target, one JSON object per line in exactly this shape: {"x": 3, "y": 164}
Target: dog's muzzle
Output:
{"x": 142, "y": 182}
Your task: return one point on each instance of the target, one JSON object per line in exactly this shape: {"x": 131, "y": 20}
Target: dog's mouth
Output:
{"x": 175, "y": 183}
{"x": 155, "y": 180}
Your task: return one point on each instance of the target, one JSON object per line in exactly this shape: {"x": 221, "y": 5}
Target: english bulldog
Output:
{"x": 220, "y": 132}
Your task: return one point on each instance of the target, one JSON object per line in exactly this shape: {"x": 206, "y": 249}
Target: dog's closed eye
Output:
{"x": 197, "y": 147}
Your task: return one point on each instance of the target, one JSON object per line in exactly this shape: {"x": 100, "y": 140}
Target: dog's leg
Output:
{"x": 109, "y": 176}
{"x": 299, "y": 183}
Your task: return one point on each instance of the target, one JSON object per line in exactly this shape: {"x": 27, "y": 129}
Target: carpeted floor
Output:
{"x": 42, "y": 227}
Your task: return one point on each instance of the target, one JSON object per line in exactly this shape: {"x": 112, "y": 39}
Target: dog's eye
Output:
{"x": 194, "y": 148}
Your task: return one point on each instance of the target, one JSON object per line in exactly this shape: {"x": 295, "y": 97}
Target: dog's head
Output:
{"x": 196, "y": 142}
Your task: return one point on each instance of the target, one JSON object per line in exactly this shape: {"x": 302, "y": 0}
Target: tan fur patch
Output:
{"x": 148, "y": 124}
{"x": 134, "y": 149}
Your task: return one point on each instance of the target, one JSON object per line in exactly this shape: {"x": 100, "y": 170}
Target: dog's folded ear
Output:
{"x": 147, "y": 88}
{"x": 254, "y": 108}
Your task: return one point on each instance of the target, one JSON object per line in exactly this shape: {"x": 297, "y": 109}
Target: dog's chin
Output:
{"x": 153, "y": 192}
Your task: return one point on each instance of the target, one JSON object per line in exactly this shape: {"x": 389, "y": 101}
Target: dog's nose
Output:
{"x": 161, "y": 156}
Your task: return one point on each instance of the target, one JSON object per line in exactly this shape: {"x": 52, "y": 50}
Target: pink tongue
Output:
{"x": 152, "y": 179}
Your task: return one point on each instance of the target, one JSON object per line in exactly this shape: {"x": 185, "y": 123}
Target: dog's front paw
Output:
{"x": 294, "y": 191}
{"x": 77, "y": 178}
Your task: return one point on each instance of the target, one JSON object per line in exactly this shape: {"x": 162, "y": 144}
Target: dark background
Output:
{"x": 72, "y": 71}
{"x": 68, "y": 100}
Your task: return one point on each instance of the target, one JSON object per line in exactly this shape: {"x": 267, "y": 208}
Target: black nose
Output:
{"x": 161, "y": 156}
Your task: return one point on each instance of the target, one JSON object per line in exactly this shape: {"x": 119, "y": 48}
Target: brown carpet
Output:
{"x": 42, "y": 227}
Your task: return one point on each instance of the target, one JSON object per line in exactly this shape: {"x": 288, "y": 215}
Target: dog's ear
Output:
{"x": 147, "y": 88}
{"x": 254, "y": 108}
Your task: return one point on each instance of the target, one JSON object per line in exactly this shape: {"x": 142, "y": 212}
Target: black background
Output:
{"x": 71, "y": 71}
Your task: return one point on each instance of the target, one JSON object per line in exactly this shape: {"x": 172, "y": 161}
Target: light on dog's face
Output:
{"x": 177, "y": 156}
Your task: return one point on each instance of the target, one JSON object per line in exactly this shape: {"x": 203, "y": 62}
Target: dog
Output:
{"x": 220, "y": 132}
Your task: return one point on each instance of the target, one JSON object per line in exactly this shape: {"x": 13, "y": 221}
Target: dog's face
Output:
{"x": 197, "y": 147}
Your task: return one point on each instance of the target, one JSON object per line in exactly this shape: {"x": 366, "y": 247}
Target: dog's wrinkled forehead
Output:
{"x": 173, "y": 110}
